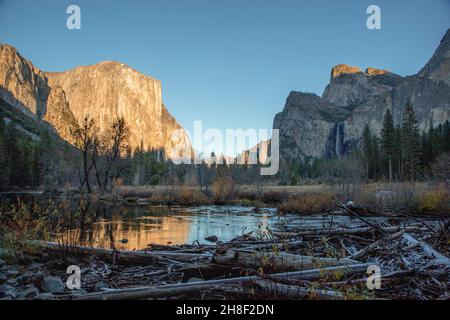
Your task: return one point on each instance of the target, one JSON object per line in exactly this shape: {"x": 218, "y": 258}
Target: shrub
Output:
{"x": 436, "y": 201}
{"x": 308, "y": 203}
{"x": 191, "y": 197}
{"x": 274, "y": 197}
{"x": 370, "y": 200}
{"x": 118, "y": 182}
{"x": 222, "y": 189}
{"x": 19, "y": 224}
{"x": 161, "y": 198}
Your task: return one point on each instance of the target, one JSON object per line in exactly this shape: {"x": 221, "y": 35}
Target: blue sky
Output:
{"x": 228, "y": 63}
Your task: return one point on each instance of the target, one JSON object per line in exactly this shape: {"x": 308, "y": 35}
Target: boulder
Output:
{"x": 45, "y": 296}
{"x": 12, "y": 272}
{"x": 52, "y": 285}
{"x": 7, "y": 291}
{"x": 212, "y": 238}
{"x": 29, "y": 293}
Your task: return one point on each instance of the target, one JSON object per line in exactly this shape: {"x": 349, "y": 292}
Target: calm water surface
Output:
{"x": 130, "y": 227}
{"x": 140, "y": 226}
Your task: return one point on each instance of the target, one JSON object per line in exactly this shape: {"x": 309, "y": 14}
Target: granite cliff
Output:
{"x": 102, "y": 92}
{"x": 313, "y": 126}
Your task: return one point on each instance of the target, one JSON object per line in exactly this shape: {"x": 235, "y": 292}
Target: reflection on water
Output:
{"x": 130, "y": 227}
{"x": 126, "y": 227}
{"x": 134, "y": 228}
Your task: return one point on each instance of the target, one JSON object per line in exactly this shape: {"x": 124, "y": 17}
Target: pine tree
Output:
{"x": 13, "y": 154}
{"x": 446, "y": 136}
{"x": 398, "y": 151}
{"x": 367, "y": 149}
{"x": 375, "y": 157}
{"x": 410, "y": 142}
{"x": 388, "y": 140}
{"x": 4, "y": 168}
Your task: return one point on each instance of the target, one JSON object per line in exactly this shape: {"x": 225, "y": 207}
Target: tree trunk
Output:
{"x": 121, "y": 257}
{"x": 172, "y": 290}
{"x": 292, "y": 292}
{"x": 390, "y": 169}
{"x": 86, "y": 171}
{"x": 279, "y": 262}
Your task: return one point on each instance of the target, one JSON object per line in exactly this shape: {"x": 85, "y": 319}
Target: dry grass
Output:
{"x": 283, "y": 189}
{"x": 308, "y": 203}
{"x": 435, "y": 201}
{"x": 377, "y": 197}
{"x": 223, "y": 189}
{"x": 182, "y": 195}
{"x": 418, "y": 197}
{"x": 186, "y": 196}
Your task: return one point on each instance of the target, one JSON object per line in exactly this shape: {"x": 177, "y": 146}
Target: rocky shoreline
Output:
{"x": 327, "y": 261}
{"x": 20, "y": 283}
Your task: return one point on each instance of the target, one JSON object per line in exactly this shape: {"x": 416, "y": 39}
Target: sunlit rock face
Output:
{"x": 305, "y": 125}
{"x": 22, "y": 85}
{"x": 59, "y": 114}
{"x": 341, "y": 69}
{"x": 312, "y": 126}
{"x": 102, "y": 92}
{"x": 374, "y": 72}
{"x": 111, "y": 89}
{"x": 352, "y": 89}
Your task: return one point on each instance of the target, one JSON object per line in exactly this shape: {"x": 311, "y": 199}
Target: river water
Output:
{"x": 137, "y": 227}
{"x": 134, "y": 227}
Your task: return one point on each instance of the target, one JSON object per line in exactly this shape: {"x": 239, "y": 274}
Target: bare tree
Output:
{"x": 118, "y": 144}
{"x": 85, "y": 137}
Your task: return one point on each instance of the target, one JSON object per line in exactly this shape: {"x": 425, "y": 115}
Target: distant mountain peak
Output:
{"x": 316, "y": 127}
{"x": 438, "y": 67}
{"x": 103, "y": 92}
{"x": 341, "y": 69}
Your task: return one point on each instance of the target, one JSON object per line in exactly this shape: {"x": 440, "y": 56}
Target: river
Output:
{"x": 135, "y": 227}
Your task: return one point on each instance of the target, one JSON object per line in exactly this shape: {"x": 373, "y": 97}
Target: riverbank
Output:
{"x": 303, "y": 256}
{"x": 373, "y": 198}
{"x": 412, "y": 198}
{"x": 303, "y": 261}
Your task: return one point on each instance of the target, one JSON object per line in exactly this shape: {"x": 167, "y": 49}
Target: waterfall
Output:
{"x": 337, "y": 143}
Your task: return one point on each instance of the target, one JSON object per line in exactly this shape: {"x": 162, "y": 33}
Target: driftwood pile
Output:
{"x": 327, "y": 263}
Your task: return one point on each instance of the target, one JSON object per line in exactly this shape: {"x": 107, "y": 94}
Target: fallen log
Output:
{"x": 436, "y": 257}
{"x": 343, "y": 231}
{"x": 353, "y": 213}
{"x": 172, "y": 290}
{"x": 384, "y": 277}
{"x": 118, "y": 256}
{"x": 276, "y": 245}
{"x": 370, "y": 247}
{"x": 292, "y": 292}
{"x": 276, "y": 261}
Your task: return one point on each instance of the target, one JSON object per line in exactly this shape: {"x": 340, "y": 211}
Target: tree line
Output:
{"x": 30, "y": 160}
{"x": 398, "y": 153}
{"x": 402, "y": 152}
{"x": 98, "y": 161}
